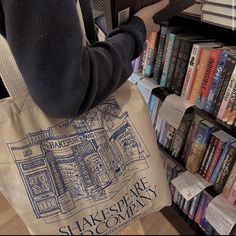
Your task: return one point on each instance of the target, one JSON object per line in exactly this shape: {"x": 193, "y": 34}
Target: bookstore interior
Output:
{"x": 187, "y": 76}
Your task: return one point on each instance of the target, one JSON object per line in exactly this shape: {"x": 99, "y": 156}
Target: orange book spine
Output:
{"x": 201, "y": 69}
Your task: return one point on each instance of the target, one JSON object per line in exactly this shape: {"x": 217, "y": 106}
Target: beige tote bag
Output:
{"x": 91, "y": 175}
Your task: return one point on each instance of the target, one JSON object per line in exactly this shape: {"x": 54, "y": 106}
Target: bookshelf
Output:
{"x": 228, "y": 37}
{"x": 162, "y": 93}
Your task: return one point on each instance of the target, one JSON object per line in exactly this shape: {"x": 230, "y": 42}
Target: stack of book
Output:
{"x": 220, "y": 12}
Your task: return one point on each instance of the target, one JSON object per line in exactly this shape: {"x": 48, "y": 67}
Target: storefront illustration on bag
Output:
{"x": 58, "y": 169}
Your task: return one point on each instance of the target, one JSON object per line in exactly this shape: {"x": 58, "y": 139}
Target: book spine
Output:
{"x": 160, "y": 52}
{"x": 193, "y": 206}
{"x": 225, "y": 170}
{"x": 178, "y": 63}
{"x": 232, "y": 115}
{"x": 155, "y": 111}
{"x": 191, "y": 71}
{"x": 207, "y": 154}
{"x": 173, "y": 62}
{"x": 214, "y": 160}
{"x": 230, "y": 105}
{"x": 181, "y": 202}
{"x": 220, "y": 161}
{"x": 226, "y": 78}
{"x": 227, "y": 95}
{"x": 147, "y": 49}
{"x": 183, "y": 68}
{"x": 158, "y": 127}
{"x": 180, "y": 138}
{"x": 186, "y": 207}
{"x": 187, "y": 143}
{"x": 170, "y": 137}
{"x": 198, "y": 148}
{"x": 215, "y": 82}
{"x": 205, "y": 53}
{"x": 167, "y": 59}
{"x": 206, "y": 83}
{"x": 232, "y": 194}
{"x": 230, "y": 182}
{"x": 216, "y": 141}
{"x": 203, "y": 222}
{"x": 148, "y": 69}
{"x": 144, "y": 55}
{"x": 200, "y": 209}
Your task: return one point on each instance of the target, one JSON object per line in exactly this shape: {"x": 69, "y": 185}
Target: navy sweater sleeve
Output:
{"x": 64, "y": 78}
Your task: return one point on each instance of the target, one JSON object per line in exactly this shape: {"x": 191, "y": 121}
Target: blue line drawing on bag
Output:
{"x": 58, "y": 169}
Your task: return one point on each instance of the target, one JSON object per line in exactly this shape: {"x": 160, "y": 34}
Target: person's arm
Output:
{"x": 64, "y": 78}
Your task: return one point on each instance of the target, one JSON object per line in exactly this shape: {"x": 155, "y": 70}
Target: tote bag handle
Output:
{"x": 9, "y": 71}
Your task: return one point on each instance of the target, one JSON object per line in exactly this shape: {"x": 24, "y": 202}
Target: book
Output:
{"x": 218, "y": 167}
{"x": 190, "y": 139}
{"x": 201, "y": 69}
{"x": 119, "y": 11}
{"x": 210, "y": 149}
{"x": 227, "y": 166}
{"x": 226, "y": 75}
{"x": 151, "y": 54}
{"x": 222, "y": 140}
{"x": 199, "y": 146}
{"x": 216, "y": 79}
{"x": 232, "y": 115}
{"x": 180, "y": 135}
{"x": 194, "y": 206}
{"x": 232, "y": 194}
{"x": 200, "y": 208}
{"x": 227, "y": 95}
{"x": 146, "y": 53}
{"x": 167, "y": 59}
{"x": 186, "y": 207}
{"x": 211, "y": 156}
{"x": 230, "y": 182}
{"x": 208, "y": 78}
{"x": 170, "y": 136}
{"x": 224, "y": 10}
{"x": 230, "y": 105}
{"x": 220, "y": 20}
{"x": 160, "y": 53}
{"x": 226, "y": 2}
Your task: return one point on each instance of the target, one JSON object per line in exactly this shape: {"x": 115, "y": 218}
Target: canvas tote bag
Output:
{"x": 91, "y": 175}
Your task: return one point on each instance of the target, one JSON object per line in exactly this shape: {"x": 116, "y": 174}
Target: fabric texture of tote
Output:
{"x": 90, "y": 175}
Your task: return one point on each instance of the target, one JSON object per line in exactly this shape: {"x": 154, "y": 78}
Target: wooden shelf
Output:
{"x": 162, "y": 93}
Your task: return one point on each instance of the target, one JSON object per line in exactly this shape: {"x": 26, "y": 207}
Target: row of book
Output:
{"x": 195, "y": 209}
{"x": 219, "y": 12}
{"x": 201, "y": 147}
{"x": 198, "y": 69}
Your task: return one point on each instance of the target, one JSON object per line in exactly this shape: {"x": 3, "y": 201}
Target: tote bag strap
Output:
{"x": 9, "y": 71}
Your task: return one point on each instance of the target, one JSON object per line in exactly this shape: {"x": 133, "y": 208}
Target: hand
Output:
{"x": 147, "y": 13}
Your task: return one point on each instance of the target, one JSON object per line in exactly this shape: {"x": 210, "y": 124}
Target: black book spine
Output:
{"x": 226, "y": 169}
{"x": 160, "y": 53}
{"x": 183, "y": 68}
{"x": 178, "y": 63}
{"x": 173, "y": 62}
{"x": 227, "y": 67}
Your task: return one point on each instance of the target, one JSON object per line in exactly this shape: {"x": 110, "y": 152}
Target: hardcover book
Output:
{"x": 227, "y": 166}
{"x": 199, "y": 146}
{"x": 119, "y": 11}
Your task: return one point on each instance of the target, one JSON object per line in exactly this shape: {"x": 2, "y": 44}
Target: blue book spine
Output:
{"x": 216, "y": 79}
{"x": 151, "y": 104}
{"x": 167, "y": 59}
{"x": 220, "y": 161}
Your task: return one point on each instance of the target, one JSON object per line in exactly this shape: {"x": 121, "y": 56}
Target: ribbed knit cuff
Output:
{"x": 136, "y": 27}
